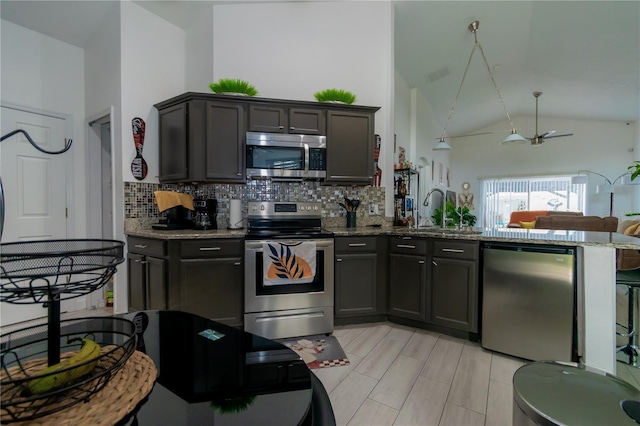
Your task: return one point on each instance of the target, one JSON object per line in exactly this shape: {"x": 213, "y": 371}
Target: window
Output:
{"x": 504, "y": 195}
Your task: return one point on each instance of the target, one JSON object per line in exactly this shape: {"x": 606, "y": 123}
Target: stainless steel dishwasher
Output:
{"x": 529, "y": 301}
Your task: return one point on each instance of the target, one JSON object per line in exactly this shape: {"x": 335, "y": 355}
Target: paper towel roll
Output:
{"x": 235, "y": 214}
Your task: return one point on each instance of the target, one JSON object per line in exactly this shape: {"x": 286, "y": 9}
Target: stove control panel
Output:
{"x": 284, "y": 209}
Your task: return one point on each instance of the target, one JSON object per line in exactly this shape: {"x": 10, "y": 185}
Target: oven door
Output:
{"x": 261, "y": 298}
{"x": 283, "y": 311}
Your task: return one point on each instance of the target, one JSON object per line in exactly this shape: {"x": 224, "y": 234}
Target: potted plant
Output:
{"x": 635, "y": 172}
{"x": 635, "y": 169}
{"x": 336, "y": 96}
{"x": 456, "y": 217}
{"x": 233, "y": 86}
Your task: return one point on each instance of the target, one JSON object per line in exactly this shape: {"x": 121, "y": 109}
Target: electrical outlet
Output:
{"x": 373, "y": 209}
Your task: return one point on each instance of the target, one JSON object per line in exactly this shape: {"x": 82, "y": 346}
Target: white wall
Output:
{"x": 152, "y": 70}
{"x": 43, "y": 73}
{"x": 102, "y": 65}
{"x": 102, "y": 93}
{"x": 600, "y": 146}
{"x": 292, "y": 50}
{"x": 636, "y": 157}
{"x": 414, "y": 121}
{"x": 199, "y": 53}
{"x": 402, "y": 125}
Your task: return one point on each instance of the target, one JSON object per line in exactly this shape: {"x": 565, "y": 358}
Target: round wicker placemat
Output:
{"x": 130, "y": 385}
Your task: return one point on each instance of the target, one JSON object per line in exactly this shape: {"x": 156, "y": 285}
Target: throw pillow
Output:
{"x": 624, "y": 224}
{"x": 528, "y": 225}
{"x": 632, "y": 229}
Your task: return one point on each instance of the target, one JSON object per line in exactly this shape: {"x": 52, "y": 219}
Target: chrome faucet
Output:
{"x": 444, "y": 204}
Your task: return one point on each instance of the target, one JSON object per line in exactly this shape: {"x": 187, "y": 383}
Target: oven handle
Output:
{"x": 306, "y": 158}
{"x": 323, "y": 244}
{"x": 316, "y": 314}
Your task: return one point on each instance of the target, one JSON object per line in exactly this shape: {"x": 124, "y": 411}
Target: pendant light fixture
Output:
{"x": 442, "y": 145}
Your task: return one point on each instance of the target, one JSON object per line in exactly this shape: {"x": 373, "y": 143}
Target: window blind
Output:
{"x": 504, "y": 195}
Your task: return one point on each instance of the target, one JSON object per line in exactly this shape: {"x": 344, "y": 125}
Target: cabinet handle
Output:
{"x": 280, "y": 127}
{"x": 137, "y": 260}
{"x": 143, "y": 262}
{"x": 421, "y": 262}
{"x": 338, "y": 260}
{"x": 357, "y": 244}
{"x": 209, "y": 248}
{"x": 292, "y": 128}
{"x": 453, "y": 250}
{"x": 434, "y": 263}
{"x": 405, "y": 246}
{"x": 238, "y": 174}
{"x": 237, "y": 264}
{"x": 140, "y": 246}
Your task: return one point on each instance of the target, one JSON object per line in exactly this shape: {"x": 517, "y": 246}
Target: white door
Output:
{"x": 34, "y": 190}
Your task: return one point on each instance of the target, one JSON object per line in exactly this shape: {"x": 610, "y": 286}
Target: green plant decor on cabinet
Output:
{"x": 457, "y": 216}
{"x": 335, "y": 95}
{"x": 233, "y": 85}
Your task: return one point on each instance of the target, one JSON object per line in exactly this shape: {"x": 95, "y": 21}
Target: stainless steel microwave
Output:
{"x": 286, "y": 156}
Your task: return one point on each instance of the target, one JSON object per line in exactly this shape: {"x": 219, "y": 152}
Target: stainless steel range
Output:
{"x": 279, "y": 306}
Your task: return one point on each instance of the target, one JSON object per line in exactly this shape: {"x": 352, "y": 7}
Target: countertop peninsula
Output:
{"x": 511, "y": 235}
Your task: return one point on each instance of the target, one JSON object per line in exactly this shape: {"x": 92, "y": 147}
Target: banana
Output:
{"x": 47, "y": 380}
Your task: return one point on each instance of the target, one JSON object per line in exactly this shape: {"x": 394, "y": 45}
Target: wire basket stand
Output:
{"x": 48, "y": 272}
{"x": 53, "y": 270}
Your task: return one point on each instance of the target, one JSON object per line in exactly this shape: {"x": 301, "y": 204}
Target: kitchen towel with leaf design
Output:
{"x": 284, "y": 263}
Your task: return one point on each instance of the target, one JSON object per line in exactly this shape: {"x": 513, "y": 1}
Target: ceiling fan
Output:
{"x": 537, "y": 140}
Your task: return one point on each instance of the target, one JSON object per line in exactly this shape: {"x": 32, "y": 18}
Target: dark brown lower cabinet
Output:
{"x": 201, "y": 276}
{"x": 453, "y": 285}
{"x": 137, "y": 279}
{"x": 355, "y": 284}
{"x": 361, "y": 276}
{"x": 147, "y": 275}
{"x": 213, "y": 288}
{"x": 407, "y": 286}
{"x": 211, "y": 279}
{"x": 408, "y": 277}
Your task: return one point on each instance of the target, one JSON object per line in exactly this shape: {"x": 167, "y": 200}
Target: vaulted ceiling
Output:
{"x": 584, "y": 56}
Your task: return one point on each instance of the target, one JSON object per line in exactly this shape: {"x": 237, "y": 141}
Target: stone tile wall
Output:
{"x": 139, "y": 198}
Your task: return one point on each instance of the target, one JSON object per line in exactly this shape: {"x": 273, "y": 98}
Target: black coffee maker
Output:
{"x": 177, "y": 217}
{"x": 205, "y": 214}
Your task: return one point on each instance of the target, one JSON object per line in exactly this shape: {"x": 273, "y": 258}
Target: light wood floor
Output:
{"x": 99, "y": 312}
{"x": 404, "y": 376}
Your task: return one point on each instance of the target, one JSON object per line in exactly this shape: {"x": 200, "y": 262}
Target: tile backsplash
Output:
{"x": 140, "y": 204}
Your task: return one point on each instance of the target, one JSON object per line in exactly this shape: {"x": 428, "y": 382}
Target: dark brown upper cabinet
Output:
{"x": 350, "y": 145}
{"x": 285, "y": 119}
{"x": 201, "y": 140}
{"x": 202, "y": 135}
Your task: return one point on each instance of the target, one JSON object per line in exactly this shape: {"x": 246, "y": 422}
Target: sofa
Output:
{"x": 528, "y": 216}
{"x": 628, "y": 259}
{"x": 625, "y": 259}
{"x": 578, "y": 223}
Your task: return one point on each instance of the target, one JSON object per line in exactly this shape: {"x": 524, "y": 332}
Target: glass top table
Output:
{"x": 210, "y": 373}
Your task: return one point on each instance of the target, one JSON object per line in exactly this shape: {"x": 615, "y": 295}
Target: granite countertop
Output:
{"x": 508, "y": 235}
{"x": 187, "y": 234}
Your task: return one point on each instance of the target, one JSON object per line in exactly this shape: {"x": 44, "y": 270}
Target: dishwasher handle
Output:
{"x": 530, "y": 248}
